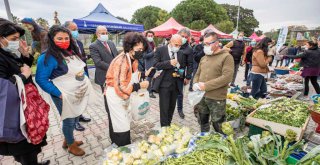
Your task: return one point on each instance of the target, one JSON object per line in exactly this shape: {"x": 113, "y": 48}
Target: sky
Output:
{"x": 271, "y": 14}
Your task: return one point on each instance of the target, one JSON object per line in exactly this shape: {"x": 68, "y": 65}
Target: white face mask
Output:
{"x": 184, "y": 41}
{"x": 150, "y": 39}
{"x": 207, "y": 50}
{"x": 104, "y": 38}
{"x": 12, "y": 47}
{"x": 175, "y": 49}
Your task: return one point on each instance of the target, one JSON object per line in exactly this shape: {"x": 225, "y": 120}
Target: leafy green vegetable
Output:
{"x": 287, "y": 111}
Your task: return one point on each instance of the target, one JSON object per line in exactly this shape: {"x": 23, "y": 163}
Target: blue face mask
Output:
{"x": 184, "y": 40}
{"x": 75, "y": 34}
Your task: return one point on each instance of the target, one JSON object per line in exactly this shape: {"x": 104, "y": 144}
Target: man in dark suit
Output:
{"x": 75, "y": 34}
{"x": 188, "y": 53}
{"x": 102, "y": 51}
{"x": 173, "y": 63}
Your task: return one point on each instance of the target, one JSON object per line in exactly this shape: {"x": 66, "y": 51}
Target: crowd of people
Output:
{"x": 62, "y": 73}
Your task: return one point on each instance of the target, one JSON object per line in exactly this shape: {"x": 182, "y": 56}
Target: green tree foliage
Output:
{"x": 191, "y": 12}
{"x": 43, "y": 22}
{"x": 122, "y": 19}
{"x": 198, "y": 25}
{"x": 225, "y": 26}
{"x": 247, "y": 21}
{"x": 149, "y": 16}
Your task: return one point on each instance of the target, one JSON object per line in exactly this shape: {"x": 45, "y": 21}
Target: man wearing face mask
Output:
{"x": 214, "y": 73}
{"x": 75, "y": 34}
{"x": 188, "y": 53}
{"x": 102, "y": 51}
{"x": 173, "y": 63}
{"x": 238, "y": 53}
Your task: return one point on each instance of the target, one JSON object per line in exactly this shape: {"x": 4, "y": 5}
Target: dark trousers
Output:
{"x": 119, "y": 138}
{"x": 150, "y": 84}
{"x": 246, "y": 72}
{"x": 259, "y": 86}
{"x": 180, "y": 96}
{"x": 281, "y": 62}
{"x": 193, "y": 74}
{"x": 236, "y": 68}
{"x": 168, "y": 97}
{"x": 314, "y": 83}
{"x": 28, "y": 159}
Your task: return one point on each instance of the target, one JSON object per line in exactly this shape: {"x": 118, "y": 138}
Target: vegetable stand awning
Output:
{"x": 220, "y": 33}
{"x": 101, "y": 16}
{"x": 255, "y": 37}
{"x": 171, "y": 27}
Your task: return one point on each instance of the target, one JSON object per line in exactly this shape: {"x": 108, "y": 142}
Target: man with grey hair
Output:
{"x": 188, "y": 53}
{"x": 173, "y": 64}
{"x": 102, "y": 52}
{"x": 75, "y": 34}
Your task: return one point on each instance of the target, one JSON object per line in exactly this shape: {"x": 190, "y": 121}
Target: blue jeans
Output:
{"x": 287, "y": 61}
{"x": 259, "y": 86}
{"x": 67, "y": 124}
{"x": 249, "y": 75}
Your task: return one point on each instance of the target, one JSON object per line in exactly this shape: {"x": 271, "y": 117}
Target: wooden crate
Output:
{"x": 277, "y": 127}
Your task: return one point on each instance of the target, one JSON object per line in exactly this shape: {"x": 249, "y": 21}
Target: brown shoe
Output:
{"x": 65, "y": 146}
{"x": 75, "y": 150}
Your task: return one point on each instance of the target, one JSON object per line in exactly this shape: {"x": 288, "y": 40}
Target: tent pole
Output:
{"x": 238, "y": 16}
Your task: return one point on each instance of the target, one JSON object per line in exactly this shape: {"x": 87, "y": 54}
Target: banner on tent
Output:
{"x": 282, "y": 37}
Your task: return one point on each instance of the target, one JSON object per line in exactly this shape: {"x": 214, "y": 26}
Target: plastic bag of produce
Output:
{"x": 195, "y": 97}
{"x": 139, "y": 104}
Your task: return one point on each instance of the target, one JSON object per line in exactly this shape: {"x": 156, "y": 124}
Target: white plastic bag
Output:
{"x": 139, "y": 104}
{"x": 195, "y": 97}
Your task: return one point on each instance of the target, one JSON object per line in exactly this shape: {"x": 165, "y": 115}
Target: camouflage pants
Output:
{"x": 214, "y": 108}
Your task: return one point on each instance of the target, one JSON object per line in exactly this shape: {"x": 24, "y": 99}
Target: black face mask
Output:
{"x": 138, "y": 55}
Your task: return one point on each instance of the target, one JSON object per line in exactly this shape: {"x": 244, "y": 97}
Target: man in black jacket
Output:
{"x": 74, "y": 31}
{"x": 173, "y": 64}
{"x": 188, "y": 53}
{"x": 238, "y": 53}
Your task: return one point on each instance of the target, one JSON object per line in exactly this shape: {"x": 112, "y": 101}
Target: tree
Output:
{"x": 259, "y": 32}
{"x": 43, "y": 22}
{"x": 247, "y": 21}
{"x": 122, "y": 19}
{"x": 149, "y": 16}
{"x": 225, "y": 26}
{"x": 198, "y": 25}
{"x": 204, "y": 11}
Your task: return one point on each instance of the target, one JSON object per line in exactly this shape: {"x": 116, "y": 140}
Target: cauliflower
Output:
{"x": 137, "y": 154}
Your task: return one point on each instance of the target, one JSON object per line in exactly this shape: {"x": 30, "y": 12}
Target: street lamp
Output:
{"x": 9, "y": 14}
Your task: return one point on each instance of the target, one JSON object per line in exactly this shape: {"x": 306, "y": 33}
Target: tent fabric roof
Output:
{"x": 262, "y": 36}
{"x": 170, "y": 27}
{"x": 101, "y": 16}
{"x": 254, "y": 36}
{"x": 214, "y": 29}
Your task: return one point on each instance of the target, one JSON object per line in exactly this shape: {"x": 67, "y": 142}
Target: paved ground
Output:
{"x": 96, "y": 136}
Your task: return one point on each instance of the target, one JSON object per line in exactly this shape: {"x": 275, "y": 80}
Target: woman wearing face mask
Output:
{"x": 259, "y": 72}
{"x": 310, "y": 61}
{"x": 60, "y": 73}
{"x": 14, "y": 60}
{"x": 121, "y": 80}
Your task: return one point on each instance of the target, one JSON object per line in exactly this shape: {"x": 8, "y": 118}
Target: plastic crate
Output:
{"x": 281, "y": 71}
{"x": 314, "y": 98}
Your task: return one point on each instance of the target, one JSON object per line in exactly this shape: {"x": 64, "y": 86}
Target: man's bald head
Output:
{"x": 176, "y": 40}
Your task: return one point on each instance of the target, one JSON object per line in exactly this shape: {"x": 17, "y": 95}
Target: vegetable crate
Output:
{"x": 281, "y": 71}
{"x": 277, "y": 127}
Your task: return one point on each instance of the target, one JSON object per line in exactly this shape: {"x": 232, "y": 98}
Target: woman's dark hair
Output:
{"x": 54, "y": 50}
{"x": 131, "y": 39}
{"x": 313, "y": 44}
{"x": 149, "y": 31}
{"x": 263, "y": 45}
{"x": 8, "y": 28}
{"x": 36, "y": 33}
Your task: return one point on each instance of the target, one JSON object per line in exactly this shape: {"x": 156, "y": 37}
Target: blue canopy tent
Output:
{"x": 101, "y": 16}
